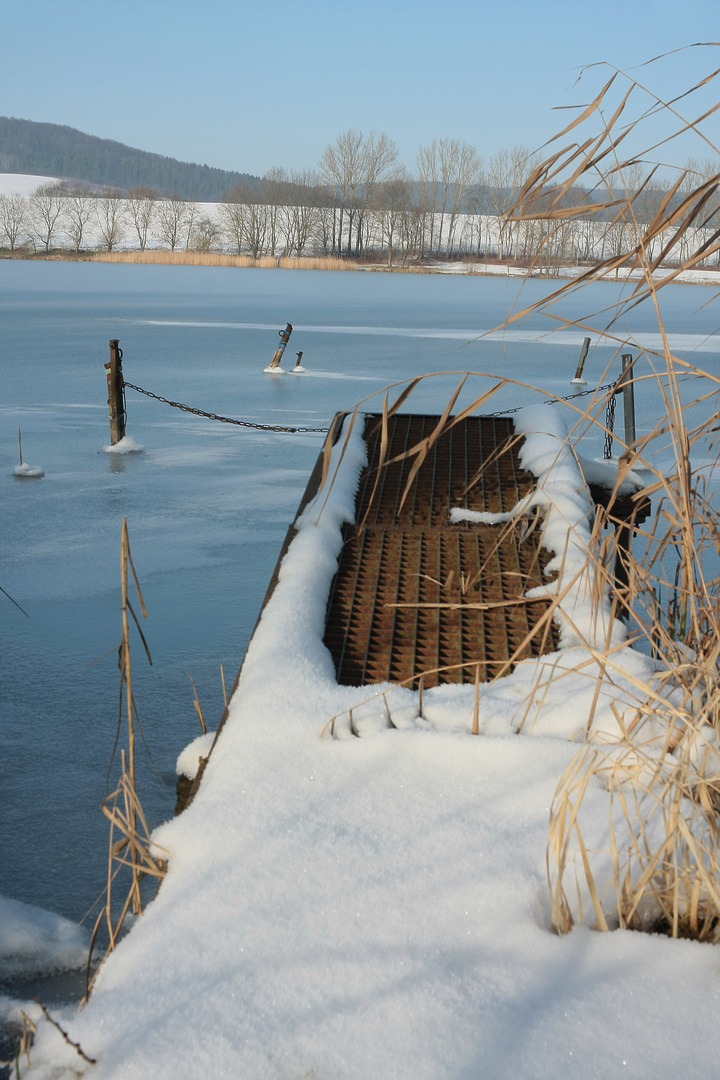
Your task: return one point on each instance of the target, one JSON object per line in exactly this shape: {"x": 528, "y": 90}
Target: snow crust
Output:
{"x": 126, "y": 445}
{"x": 344, "y": 908}
{"x": 188, "y": 762}
{"x": 34, "y": 941}
{"x": 31, "y": 471}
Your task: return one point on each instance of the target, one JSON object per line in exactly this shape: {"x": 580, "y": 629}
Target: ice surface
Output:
{"x": 344, "y": 907}
{"x": 34, "y": 941}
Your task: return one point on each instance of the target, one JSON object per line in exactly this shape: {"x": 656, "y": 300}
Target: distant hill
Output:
{"x": 55, "y": 150}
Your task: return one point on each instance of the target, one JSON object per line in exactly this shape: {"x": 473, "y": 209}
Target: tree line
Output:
{"x": 358, "y": 202}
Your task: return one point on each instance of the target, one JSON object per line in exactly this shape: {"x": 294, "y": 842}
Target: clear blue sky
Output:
{"x": 246, "y": 86}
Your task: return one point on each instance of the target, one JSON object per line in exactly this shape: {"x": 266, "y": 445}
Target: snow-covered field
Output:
{"x": 23, "y": 183}
{"x": 377, "y": 906}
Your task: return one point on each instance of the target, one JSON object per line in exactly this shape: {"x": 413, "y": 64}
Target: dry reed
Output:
{"x": 655, "y": 862}
{"x": 162, "y": 256}
{"x": 654, "y": 865}
{"x": 133, "y": 849}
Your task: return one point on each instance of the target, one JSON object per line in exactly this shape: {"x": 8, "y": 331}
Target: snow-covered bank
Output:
{"x": 376, "y": 906}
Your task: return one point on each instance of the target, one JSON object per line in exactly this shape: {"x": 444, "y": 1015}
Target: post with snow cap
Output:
{"x": 116, "y": 395}
{"x": 284, "y": 338}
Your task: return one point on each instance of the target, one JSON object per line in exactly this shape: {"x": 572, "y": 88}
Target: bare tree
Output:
{"x": 206, "y": 235}
{"x": 429, "y": 187}
{"x": 460, "y": 171}
{"x": 13, "y": 215}
{"x": 299, "y": 218}
{"x": 192, "y": 213}
{"x": 232, "y": 223}
{"x": 341, "y": 167}
{"x": 233, "y": 213}
{"x": 379, "y": 155}
{"x": 256, "y": 228}
{"x": 507, "y": 171}
{"x": 44, "y": 209}
{"x": 110, "y": 218}
{"x": 77, "y": 213}
{"x": 274, "y": 193}
{"x": 140, "y": 211}
{"x": 392, "y": 203}
{"x": 171, "y": 216}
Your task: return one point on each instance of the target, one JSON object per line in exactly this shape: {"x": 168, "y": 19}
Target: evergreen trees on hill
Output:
{"x": 55, "y": 150}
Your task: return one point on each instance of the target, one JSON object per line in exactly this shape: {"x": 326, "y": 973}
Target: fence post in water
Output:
{"x": 284, "y": 338}
{"x": 116, "y": 397}
{"x": 628, "y": 389}
{"x": 581, "y": 362}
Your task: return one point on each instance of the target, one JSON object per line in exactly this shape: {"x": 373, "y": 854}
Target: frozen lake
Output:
{"x": 207, "y": 504}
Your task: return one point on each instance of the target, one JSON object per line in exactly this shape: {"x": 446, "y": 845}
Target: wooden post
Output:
{"x": 298, "y": 362}
{"x": 581, "y": 362}
{"x": 284, "y": 338}
{"x": 628, "y": 389}
{"x": 623, "y": 544}
{"x": 116, "y": 402}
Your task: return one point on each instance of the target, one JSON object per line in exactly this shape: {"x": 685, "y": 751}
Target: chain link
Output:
{"x": 224, "y": 419}
{"x": 324, "y": 430}
{"x": 609, "y": 427}
{"x": 554, "y": 400}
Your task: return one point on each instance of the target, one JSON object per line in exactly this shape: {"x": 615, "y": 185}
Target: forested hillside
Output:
{"x": 55, "y": 150}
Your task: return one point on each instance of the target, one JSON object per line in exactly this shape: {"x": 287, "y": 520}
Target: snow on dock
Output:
{"x": 350, "y": 907}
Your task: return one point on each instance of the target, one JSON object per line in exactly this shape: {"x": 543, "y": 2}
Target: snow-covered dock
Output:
{"x": 376, "y": 906}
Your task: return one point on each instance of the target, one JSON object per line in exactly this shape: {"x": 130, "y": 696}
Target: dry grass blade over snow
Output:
{"x": 655, "y": 864}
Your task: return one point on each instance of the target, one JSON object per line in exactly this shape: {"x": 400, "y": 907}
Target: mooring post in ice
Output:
{"x": 284, "y": 338}
{"x": 581, "y": 362}
{"x": 628, "y": 391}
{"x": 116, "y": 394}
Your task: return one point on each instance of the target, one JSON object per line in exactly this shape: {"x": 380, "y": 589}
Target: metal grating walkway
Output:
{"x": 415, "y": 556}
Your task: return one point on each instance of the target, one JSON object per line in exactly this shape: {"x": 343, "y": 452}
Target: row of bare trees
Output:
{"x": 105, "y": 218}
{"x": 359, "y": 202}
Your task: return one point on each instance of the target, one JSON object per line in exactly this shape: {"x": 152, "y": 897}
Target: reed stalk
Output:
{"x": 130, "y": 845}
{"x": 654, "y": 861}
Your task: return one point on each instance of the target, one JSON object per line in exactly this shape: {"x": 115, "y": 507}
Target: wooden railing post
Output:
{"x": 116, "y": 401}
{"x": 284, "y": 338}
{"x": 581, "y": 362}
{"x": 628, "y": 389}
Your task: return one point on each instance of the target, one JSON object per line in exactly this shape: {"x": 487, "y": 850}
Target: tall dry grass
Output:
{"x": 130, "y": 848}
{"x": 160, "y": 256}
{"x": 654, "y": 864}
{"x": 634, "y": 835}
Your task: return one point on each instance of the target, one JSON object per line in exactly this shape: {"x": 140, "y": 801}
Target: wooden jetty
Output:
{"x": 461, "y": 585}
{"x": 418, "y": 600}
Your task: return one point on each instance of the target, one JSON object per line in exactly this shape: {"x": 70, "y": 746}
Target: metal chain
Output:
{"x": 609, "y": 427}
{"x": 224, "y": 419}
{"x": 293, "y": 430}
{"x": 554, "y": 400}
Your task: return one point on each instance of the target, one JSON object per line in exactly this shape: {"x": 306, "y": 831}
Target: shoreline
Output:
{"x": 458, "y": 267}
